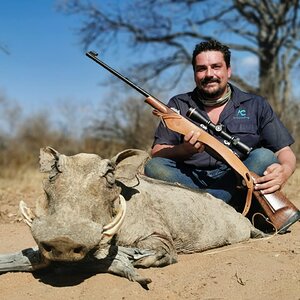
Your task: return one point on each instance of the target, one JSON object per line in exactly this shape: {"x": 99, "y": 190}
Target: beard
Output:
{"x": 213, "y": 93}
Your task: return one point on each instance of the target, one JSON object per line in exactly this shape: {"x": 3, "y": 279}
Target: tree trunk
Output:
{"x": 268, "y": 83}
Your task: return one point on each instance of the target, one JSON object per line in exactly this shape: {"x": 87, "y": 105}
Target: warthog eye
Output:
{"x": 110, "y": 178}
{"x": 78, "y": 249}
{"x": 47, "y": 247}
{"x": 107, "y": 171}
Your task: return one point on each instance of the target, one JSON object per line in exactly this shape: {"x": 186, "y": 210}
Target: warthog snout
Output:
{"x": 63, "y": 249}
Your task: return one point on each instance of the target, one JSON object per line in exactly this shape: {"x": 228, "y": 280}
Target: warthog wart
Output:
{"x": 105, "y": 214}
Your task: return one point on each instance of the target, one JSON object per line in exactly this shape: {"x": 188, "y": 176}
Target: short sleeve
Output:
{"x": 273, "y": 134}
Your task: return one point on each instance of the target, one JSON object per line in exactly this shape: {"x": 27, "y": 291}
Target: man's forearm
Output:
{"x": 287, "y": 159}
{"x": 181, "y": 151}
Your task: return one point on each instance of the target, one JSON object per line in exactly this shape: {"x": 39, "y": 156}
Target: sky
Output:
{"x": 46, "y": 65}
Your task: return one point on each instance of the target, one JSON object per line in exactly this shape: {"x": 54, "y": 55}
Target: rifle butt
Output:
{"x": 281, "y": 212}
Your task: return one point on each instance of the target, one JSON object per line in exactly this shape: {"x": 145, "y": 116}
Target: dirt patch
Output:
{"x": 259, "y": 269}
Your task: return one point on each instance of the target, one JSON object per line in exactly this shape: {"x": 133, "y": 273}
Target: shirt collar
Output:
{"x": 238, "y": 96}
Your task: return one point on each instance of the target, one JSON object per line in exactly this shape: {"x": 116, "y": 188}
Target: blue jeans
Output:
{"x": 220, "y": 182}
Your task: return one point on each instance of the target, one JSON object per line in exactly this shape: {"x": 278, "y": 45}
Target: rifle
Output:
{"x": 182, "y": 125}
{"x": 279, "y": 210}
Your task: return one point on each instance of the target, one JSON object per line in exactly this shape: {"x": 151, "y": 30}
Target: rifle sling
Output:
{"x": 183, "y": 126}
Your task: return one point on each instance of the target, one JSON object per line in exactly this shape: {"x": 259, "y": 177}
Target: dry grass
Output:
{"x": 24, "y": 185}
{"x": 292, "y": 187}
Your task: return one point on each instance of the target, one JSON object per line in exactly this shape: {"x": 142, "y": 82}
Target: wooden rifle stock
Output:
{"x": 281, "y": 212}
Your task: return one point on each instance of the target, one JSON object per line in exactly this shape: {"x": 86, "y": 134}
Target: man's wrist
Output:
{"x": 288, "y": 170}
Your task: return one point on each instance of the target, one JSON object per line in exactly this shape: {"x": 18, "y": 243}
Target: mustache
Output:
{"x": 209, "y": 80}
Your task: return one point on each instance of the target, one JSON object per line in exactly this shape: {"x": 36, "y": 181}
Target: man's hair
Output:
{"x": 212, "y": 45}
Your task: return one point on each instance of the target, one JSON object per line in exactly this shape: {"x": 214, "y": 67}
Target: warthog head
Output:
{"x": 82, "y": 208}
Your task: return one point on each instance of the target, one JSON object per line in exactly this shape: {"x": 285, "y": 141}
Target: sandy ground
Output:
{"x": 258, "y": 269}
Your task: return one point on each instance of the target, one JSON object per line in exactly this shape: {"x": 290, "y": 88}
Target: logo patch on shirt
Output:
{"x": 241, "y": 113}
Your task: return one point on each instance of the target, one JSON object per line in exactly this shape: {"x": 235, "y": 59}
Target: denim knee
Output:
{"x": 158, "y": 168}
{"x": 259, "y": 159}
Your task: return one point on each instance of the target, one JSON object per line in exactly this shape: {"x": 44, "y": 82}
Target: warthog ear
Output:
{"x": 129, "y": 163}
{"x": 49, "y": 160}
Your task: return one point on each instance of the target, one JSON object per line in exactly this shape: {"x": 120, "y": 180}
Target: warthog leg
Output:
{"x": 147, "y": 258}
{"x": 26, "y": 260}
{"x": 121, "y": 260}
{"x": 160, "y": 258}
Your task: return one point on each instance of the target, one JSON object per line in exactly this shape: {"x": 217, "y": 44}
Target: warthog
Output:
{"x": 106, "y": 215}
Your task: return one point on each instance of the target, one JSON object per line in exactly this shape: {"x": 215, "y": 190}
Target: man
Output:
{"x": 182, "y": 159}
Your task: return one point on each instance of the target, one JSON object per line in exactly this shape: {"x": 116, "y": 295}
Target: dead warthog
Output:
{"x": 106, "y": 215}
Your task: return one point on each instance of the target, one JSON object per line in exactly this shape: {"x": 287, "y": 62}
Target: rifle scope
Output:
{"x": 195, "y": 115}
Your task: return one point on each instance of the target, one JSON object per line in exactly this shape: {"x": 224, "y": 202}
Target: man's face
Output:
{"x": 211, "y": 74}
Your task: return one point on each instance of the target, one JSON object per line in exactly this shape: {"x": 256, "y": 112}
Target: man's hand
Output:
{"x": 276, "y": 175}
{"x": 273, "y": 179}
{"x": 190, "y": 146}
{"x": 192, "y": 140}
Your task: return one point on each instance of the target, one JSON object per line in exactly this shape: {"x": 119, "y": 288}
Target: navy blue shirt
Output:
{"x": 246, "y": 116}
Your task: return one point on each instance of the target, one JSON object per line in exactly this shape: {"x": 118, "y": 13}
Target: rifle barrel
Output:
{"x": 93, "y": 55}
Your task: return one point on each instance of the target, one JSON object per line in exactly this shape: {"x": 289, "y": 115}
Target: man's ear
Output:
{"x": 229, "y": 72}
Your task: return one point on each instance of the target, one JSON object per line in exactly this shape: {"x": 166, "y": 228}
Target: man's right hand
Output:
{"x": 192, "y": 139}
{"x": 190, "y": 146}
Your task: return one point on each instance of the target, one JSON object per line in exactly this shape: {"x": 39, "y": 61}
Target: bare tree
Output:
{"x": 275, "y": 41}
{"x": 268, "y": 30}
{"x": 128, "y": 123}
{"x": 10, "y": 114}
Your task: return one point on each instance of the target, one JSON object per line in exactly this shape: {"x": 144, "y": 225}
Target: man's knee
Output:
{"x": 259, "y": 159}
{"x": 157, "y": 167}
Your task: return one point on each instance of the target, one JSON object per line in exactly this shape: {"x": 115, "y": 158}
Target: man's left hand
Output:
{"x": 273, "y": 179}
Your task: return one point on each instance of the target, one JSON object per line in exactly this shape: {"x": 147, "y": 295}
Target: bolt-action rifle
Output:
{"x": 281, "y": 212}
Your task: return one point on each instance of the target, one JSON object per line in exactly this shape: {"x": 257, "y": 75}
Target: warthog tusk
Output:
{"x": 26, "y": 213}
{"x": 112, "y": 228}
